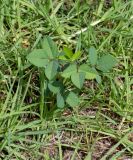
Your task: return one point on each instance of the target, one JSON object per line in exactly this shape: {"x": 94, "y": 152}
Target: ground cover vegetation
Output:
{"x": 66, "y": 79}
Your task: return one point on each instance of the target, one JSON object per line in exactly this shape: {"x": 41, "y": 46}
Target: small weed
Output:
{"x": 58, "y": 69}
{"x": 70, "y": 105}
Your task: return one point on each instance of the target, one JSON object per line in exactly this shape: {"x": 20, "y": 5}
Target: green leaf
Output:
{"x": 76, "y": 56}
{"x": 63, "y": 58}
{"x": 92, "y": 56}
{"x": 106, "y": 62}
{"x": 51, "y": 69}
{"x": 38, "y": 57}
{"x": 55, "y": 87}
{"x": 78, "y": 79}
{"x": 89, "y": 73}
{"x": 69, "y": 71}
{"x": 68, "y": 52}
{"x": 72, "y": 99}
{"x": 98, "y": 77}
{"x": 50, "y": 47}
{"x": 60, "y": 101}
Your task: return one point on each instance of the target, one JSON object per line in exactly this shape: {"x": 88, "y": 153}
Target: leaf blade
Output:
{"x": 68, "y": 52}
{"x": 106, "y": 62}
{"x": 50, "y": 47}
{"x": 72, "y": 99}
{"x": 92, "y": 56}
{"x": 51, "y": 69}
{"x": 69, "y": 71}
{"x": 89, "y": 74}
{"x": 76, "y": 56}
{"x": 78, "y": 79}
{"x": 60, "y": 101}
{"x": 55, "y": 87}
{"x": 38, "y": 57}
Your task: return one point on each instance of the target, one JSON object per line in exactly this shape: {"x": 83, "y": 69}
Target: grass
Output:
{"x": 102, "y": 126}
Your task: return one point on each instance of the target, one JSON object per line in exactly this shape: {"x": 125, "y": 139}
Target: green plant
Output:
{"x": 58, "y": 68}
{"x": 105, "y": 115}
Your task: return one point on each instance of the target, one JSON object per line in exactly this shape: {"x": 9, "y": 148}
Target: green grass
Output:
{"x": 102, "y": 126}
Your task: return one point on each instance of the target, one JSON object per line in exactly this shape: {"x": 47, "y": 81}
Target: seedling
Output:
{"x": 58, "y": 69}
